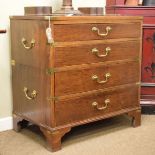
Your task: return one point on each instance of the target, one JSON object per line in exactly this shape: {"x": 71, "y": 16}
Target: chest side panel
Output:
{"x": 31, "y": 84}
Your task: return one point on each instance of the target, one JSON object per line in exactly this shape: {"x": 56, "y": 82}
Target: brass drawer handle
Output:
{"x": 31, "y": 96}
{"x": 107, "y": 76}
{"x": 25, "y": 42}
{"x": 106, "y": 102}
{"x": 107, "y": 29}
{"x": 96, "y": 52}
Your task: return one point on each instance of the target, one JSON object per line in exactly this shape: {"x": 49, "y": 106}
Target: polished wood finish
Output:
{"x": 54, "y": 138}
{"x": 75, "y": 32}
{"x": 148, "y": 56}
{"x": 136, "y": 117}
{"x": 30, "y": 78}
{"x": 81, "y": 79}
{"x": 120, "y": 50}
{"x": 52, "y": 83}
{"x": 39, "y": 10}
{"x": 80, "y": 108}
{"x": 91, "y": 10}
{"x": 35, "y": 57}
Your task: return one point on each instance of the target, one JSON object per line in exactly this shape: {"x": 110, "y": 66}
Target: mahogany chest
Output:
{"x": 89, "y": 71}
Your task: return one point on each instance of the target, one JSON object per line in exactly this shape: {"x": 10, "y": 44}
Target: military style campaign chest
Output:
{"x": 86, "y": 69}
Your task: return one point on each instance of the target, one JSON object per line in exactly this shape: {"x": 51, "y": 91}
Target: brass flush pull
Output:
{"x": 107, "y": 76}
{"x": 25, "y": 42}
{"x": 107, "y": 29}
{"x": 96, "y": 105}
{"x": 13, "y": 62}
{"x": 31, "y": 96}
{"x": 96, "y": 52}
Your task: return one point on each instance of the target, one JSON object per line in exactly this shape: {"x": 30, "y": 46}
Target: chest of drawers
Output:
{"x": 91, "y": 71}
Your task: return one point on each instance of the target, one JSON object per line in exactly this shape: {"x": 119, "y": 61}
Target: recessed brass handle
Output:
{"x": 31, "y": 96}
{"x": 96, "y": 52}
{"x": 96, "y": 78}
{"x": 96, "y": 105}
{"x": 13, "y": 62}
{"x": 25, "y": 42}
{"x": 107, "y": 29}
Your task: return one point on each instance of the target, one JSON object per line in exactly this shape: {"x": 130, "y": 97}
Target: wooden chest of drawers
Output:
{"x": 89, "y": 72}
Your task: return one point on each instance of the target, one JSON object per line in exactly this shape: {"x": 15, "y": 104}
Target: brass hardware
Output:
{"x": 32, "y": 95}
{"x": 139, "y": 83}
{"x": 13, "y": 62}
{"x": 24, "y": 43}
{"x": 52, "y": 44}
{"x": 96, "y": 52}
{"x": 137, "y": 59}
{"x": 47, "y": 17}
{"x": 50, "y": 71}
{"x": 55, "y": 98}
{"x": 51, "y": 18}
{"x": 106, "y": 102}
{"x": 107, "y": 29}
{"x": 107, "y": 76}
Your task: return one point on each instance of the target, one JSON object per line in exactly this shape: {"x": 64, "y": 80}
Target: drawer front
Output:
{"x": 79, "y": 32}
{"x": 94, "y": 78}
{"x": 96, "y": 105}
{"x": 93, "y": 53}
{"x": 29, "y": 43}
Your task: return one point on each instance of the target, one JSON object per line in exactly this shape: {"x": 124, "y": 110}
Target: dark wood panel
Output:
{"x": 75, "y": 81}
{"x": 91, "y": 10}
{"x": 77, "y": 32}
{"x": 38, "y": 10}
{"x": 79, "y": 109}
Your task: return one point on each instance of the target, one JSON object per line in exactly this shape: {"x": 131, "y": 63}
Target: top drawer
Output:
{"x": 81, "y": 32}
